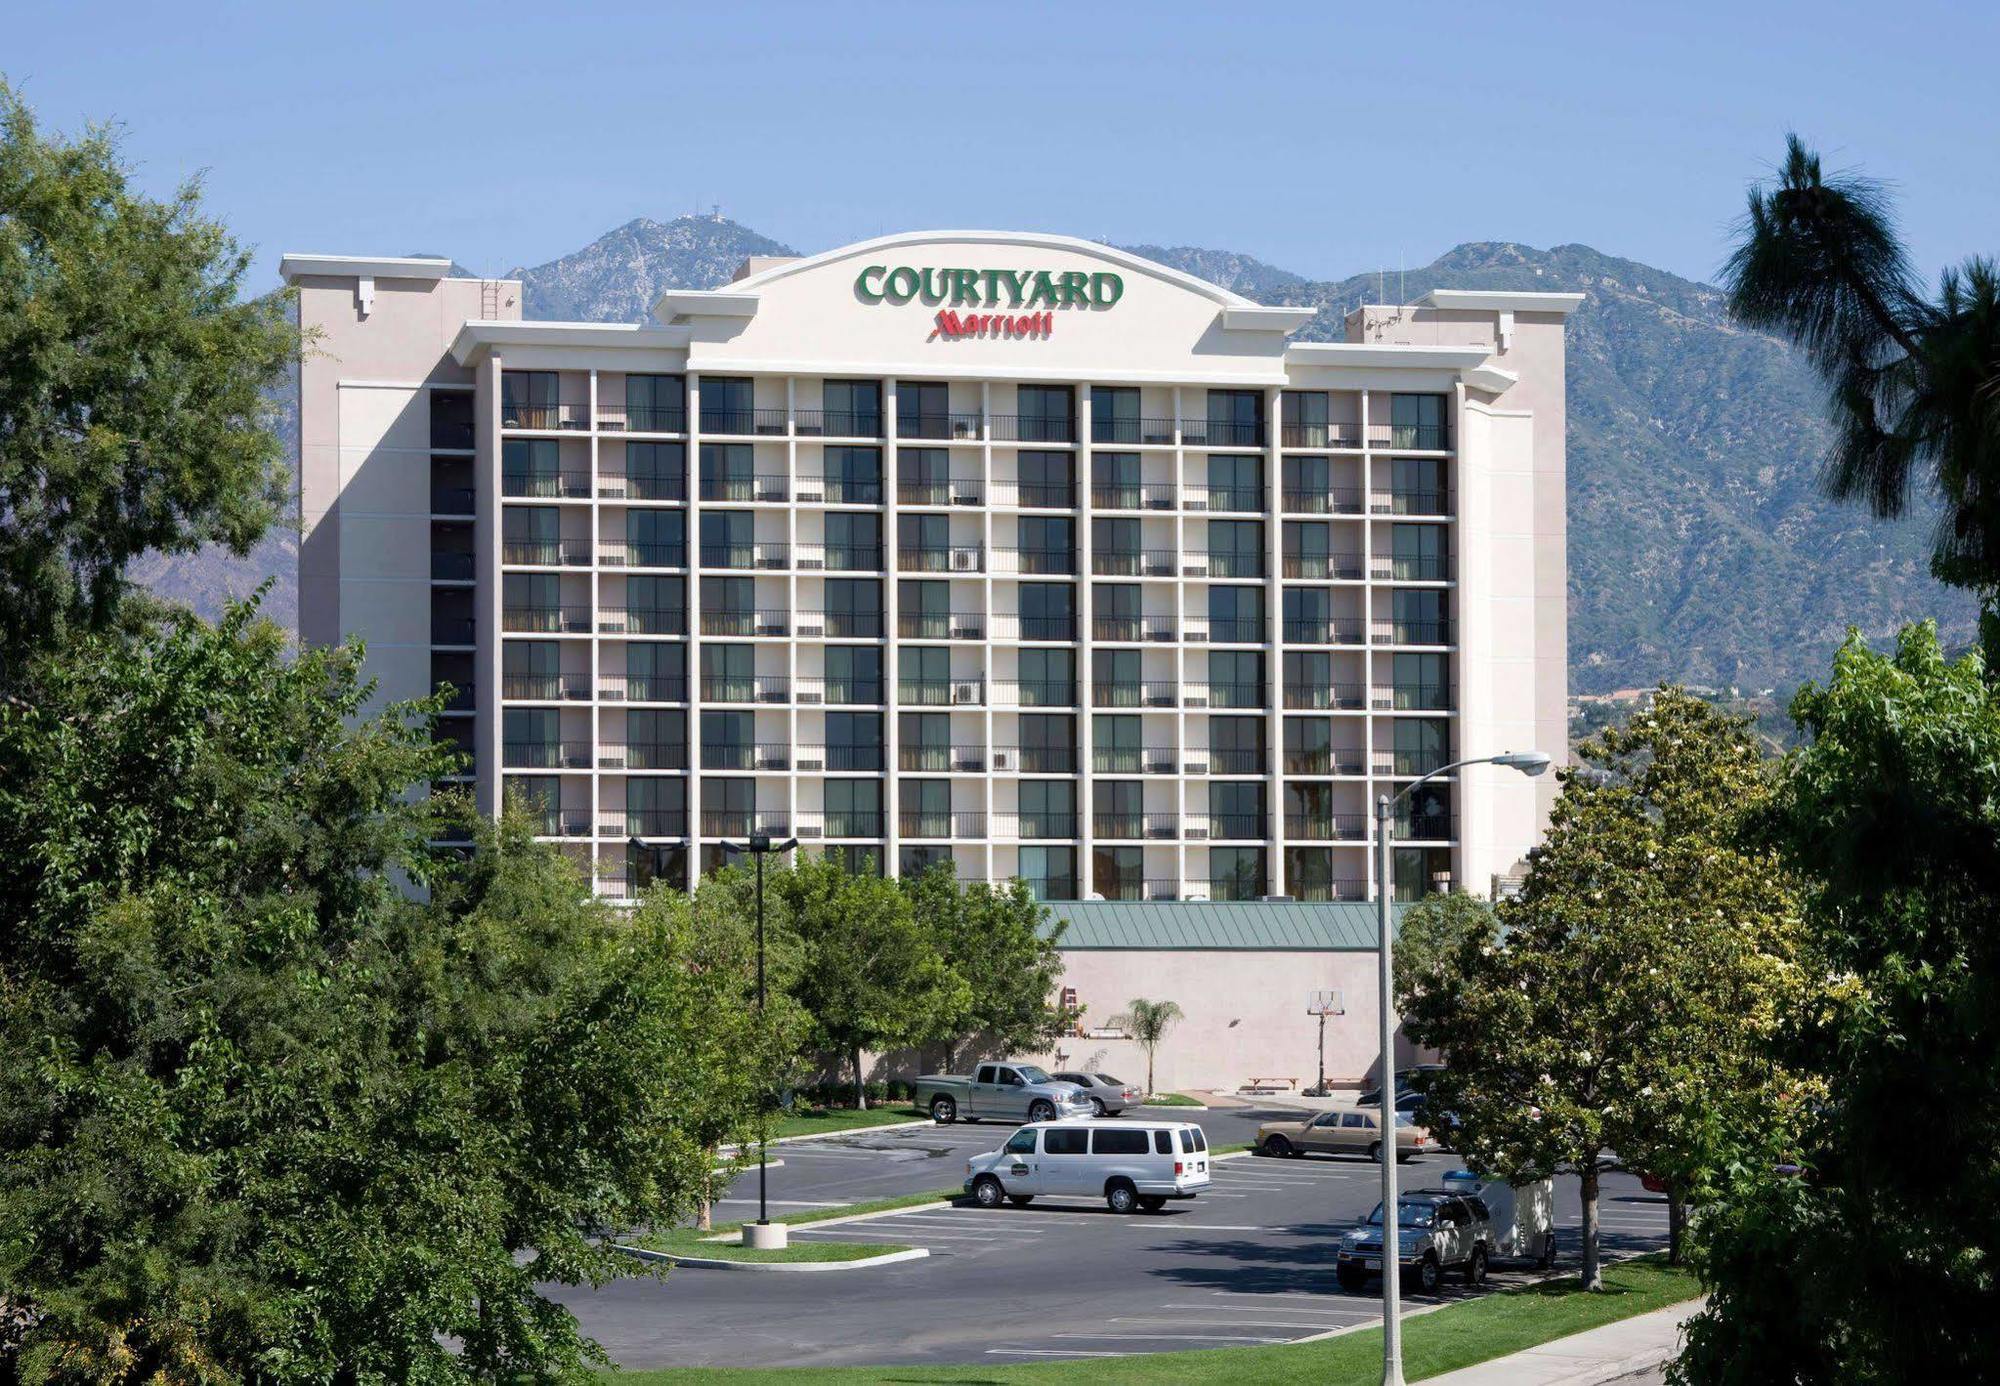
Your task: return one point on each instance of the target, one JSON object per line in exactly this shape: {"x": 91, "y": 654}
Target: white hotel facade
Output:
{"x": 1011, "y": 549}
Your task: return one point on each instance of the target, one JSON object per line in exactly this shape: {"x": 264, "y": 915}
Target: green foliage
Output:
{"x": 1622, "y": 1001}
{"x": 132, "y": 412}
{"x": 1148, "y": 1023}
{"x": 1877, "y": 1264}
{"x": 998, "y": 941}
{"x": 264, "y": 1116}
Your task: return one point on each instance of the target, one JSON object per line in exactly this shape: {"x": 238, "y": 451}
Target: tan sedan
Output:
{"x": 1349, "y": 1131}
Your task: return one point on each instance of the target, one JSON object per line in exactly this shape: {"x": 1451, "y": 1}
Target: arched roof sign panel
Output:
{"x": 983, "y": 303}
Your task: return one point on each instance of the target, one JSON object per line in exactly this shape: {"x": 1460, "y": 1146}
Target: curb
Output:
{"x": 828, "y": 1135}
{"x": 1173, "y": 1107}
{"x": 851, "y": 1217}
{"x": 913, "y": 1253}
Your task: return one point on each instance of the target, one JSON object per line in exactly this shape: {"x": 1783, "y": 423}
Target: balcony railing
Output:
{"x": 643, "y": 755}
{"x": 746, "y": 623}
{"x": 1034, "y": 693}
{"x": 567, "y": 414}
{"x": 1240, "y": 500}
{"x": 1332, "y": 630}
{"x": 1344, "y": 567}
{"x": 1227, "y": 827}
{"x": 1424, "y": 567}
{"x": 957, "y": 491}
{"x": 1034, "y": 827}
{"x": 742, "y": 823}
{"x": 1142, "y": 694}
{"x": 1035, "y": 760}
{"x": 449, "y": 566}
{"x": 950, "y": 427}
{"x": 1133, "y": 630}
{"x": 957, "y": 558}
{"x": 641, "y": 620}
{"x": 546, "y": 755}
{"x": 1424, "y": 827}
{"x": 1228, "y": 565}
{"x": 1008, "y": 626}
{"x": 839, "y": 625}
{"x": 1323, "y": 697}
{"x": 1336, "y": 501}
{"x": 1323, "y": 760}
{"x": 1236, "y": 760}
{"x": 617, "y": 555}
{"x": 642, "y": 418}
{"x": 452, "y": 630}
{"x": 1135, "y": 827}
{"x": 545, "y": 553}
{"x": 546, "y": 620}
{"x": 462, "y": 695}
{"x": 1131, "y": 760}
{"x": 743, "y": 423}
{"x": 1410, "y": 501}
{"x": 941, "y": 692}
{"x": 623, "y": 688}
{"x": 452, "y": 500}
{"x": 641, "y": 486}
{"x": 938, "y": 825}
{"x": 769, "y": 556}
{"x": 566, "y": 484}
{"x": 1222, "y": 433}
{"x": 1410, "y": 633}
{"x": 817, "y": 489}
{"x": 816, "y": 824}
{"x": 1339, "y": 888}
{"x": 764, "y": 486}
{"x": 1047, "y": 562}
{"x": 1034, "y": 495}
{"x": 943, "y": 760}
{"x": 1134, "y": 562}
{"x": 840, "y": 558}
{"x": 1409, "y": 437}
{"x": 930, "y": 625}
{"x": 1145, "y": 495}
{"x": 753, "y": 688}
{"x": 1126, "y": 889}
{"x": 644, "y": 823}
{"x": 1326, "y": 827}
{"x": 1412, "y": 697}
{"x": 839, "y": 423}
{"x": 1228, "y": 695}
{"x": 545, "y": 688}
{"x": 743, "y": 755}
{"x": 1409, "y": 764}
{"x": 814, "y": 690}
{"x": 1032, "y": 428}
{"x": 841, "y": 757}
{"x": 1230, "y": 630}
{"x": 1150, "y": 432}
{"x": 1320, "y": 435}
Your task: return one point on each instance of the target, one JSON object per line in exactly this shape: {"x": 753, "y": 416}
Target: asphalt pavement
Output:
{"x": 1250, "y": 1261}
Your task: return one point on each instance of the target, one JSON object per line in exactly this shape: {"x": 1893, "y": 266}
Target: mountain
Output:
{"x": 1699, "y": 546}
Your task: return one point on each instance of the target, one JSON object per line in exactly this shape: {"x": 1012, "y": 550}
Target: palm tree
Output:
{"x": 1148, "y": 1022}
{"x": 1913, "y": 384}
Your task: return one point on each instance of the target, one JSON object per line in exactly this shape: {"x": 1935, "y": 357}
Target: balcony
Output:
{"x": 1134, "y": 562}
{"x": 769, "y": 487}
{"x": 1321, "y": 892}
{"x": 746, "y": 624}
{"x": 839, "y": 423}
{"x": 546, "y": 417}
{"x": 1222, "y": 433}
{"x": 1409, "y": 764}
{"x": 642, "y": 418}
{"x": 929, "y": 625}
{"x": 1327, "y": 631}
{"x": 448, "y": 565}
{"x": 1323, "y": 760}
{"x": 641, "y": 486}
{"x": 566, "y": 484}
{"x": 1046, "y": 629}
{"x": 743, "y": 423}
{"x": 621, "y": 688}
{"x": 1326, "y": 827}
{"x": 1323, "y": 697}
{"x": 1032, "y": 428}
{"x": 966, "y": 491}
{"x": 1133, "y": 630}
{"x": 1127, "y": 760}
{"x": 1131, "y": 890}
{"x": 546, "y": 755}
{"x": 1226, "y": 827}
{"x": 1324, "y": 567}
{"x": 643, "y": 755}
{"x": 1229, "y": 565}
{"x": 941, "y": 692}
{"x": 1135, "y": 827}
{"x": 942, "y": 760}
{"x": 940, "y": 826}
{"x": 1035, "y": 561}
{"x": 817, "y": 825}
{"x": 815, "y": 691}
{"x": 1410, "y": 501}
{"x": 1034, "y": 693}
{"x": 839, "y": 625}
{"x": 546, "y": 620}
{"x": 1410, "y": 437}
{"x": 1035, "y": 760}
{"x": 545, "y": 553}
{"x": 545, "y": 688}
{"x": 1239, "y": 500}
{"x": 1034, "y": 495}
{"x": 816, "y": 489}
{"x": 1133, "y": 432}
{"x": 840, "y": 558}
{"x": 1034, "y": 827}
{"x": 1412, "y": 697}
{"x": 963, "y": 428}
{"x": 1230, "y": 630}
{"x": 1306, "y": 436}
{"x": 641, "y": 620}
{"x": 452, "y": 630}
{"x": 1147, "y": 495}
{"x": 744, "y": 823}
{"x": 1229, "y": 695}
{"x": 753, "y": 688}
{"x": 1424, "y": 827}
{"x": 1142, "y": 694}
{"x": 761, "y": 557}
{"x": 958, "y": 558}
{"x": 742, "y": 755}
{"x": 1335, "y": 501}
{"x": 461, "y": 698}
{"x": 842, "y": 757}
{"x": 1424, "y": 567}
{"x": 671, "y": 823}
{"x": 1410, "y": 633}
{"x": 452, "y": 500}
{"x": 1236, "y": 760}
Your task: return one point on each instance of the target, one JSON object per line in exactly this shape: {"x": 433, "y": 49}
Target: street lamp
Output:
{"x": 1528, "y": 763}
{"x": 761, "y": 1233}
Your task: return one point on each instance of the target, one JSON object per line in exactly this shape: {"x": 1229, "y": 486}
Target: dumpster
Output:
{"x": 1524, "y": 1217}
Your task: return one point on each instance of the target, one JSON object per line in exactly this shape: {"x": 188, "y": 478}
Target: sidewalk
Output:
{"x": 1607, "y": 1354}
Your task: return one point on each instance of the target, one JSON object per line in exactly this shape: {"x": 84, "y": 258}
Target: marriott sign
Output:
{"x": 1038, "y": 291}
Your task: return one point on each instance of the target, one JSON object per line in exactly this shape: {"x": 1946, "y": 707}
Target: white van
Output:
{"x": 1523, "y": 1216}
{"x": 1129, "y": 1165}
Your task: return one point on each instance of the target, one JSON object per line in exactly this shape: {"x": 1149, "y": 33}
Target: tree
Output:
{"x": 1620, "y": 1002}
{"x": 1148, "y": 1022}
{"x": 1911, "y": 382}
{"x": 1000, "y": 942}
{"x": 267, "y": 1117}
{"x": 869, "y": 975}
{"x": 133, "y": 414}
{"x": 1876, "y": 1263}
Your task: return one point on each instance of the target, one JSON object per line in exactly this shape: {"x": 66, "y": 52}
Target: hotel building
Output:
{"x": 1009, "y": 549}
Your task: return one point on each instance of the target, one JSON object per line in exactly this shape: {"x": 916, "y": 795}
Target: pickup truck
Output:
{"x": 1000, "y": 1092}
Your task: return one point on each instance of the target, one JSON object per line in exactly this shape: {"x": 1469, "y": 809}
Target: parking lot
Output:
{"x": 1250, "y": 1261}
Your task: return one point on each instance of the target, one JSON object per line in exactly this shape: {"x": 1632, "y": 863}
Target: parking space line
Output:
{"x": 789, "y": 1202}
{"x": 1234, "y": 1322}
{"x": 1174, "y": 1337}
{"x": 1050, "y": 1352}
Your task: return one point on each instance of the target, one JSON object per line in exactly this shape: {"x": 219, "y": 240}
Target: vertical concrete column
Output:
{"x": 1369, "y": 674}
{"x": 694, "y": 622}
{"x": 892, "y": 673}
{"x": 987, "y": 617}
{"x": 1086, "y": 873}
{"x": 1274, "y": 659}
{"x": 595, "y": 665}
{"x": 489, "y": 785}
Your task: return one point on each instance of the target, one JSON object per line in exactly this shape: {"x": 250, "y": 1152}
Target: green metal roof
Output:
{"x": 1197, "y": 924}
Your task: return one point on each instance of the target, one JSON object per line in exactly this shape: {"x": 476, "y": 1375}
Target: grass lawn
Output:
{"x": 1171, "y": 1099}
{"x": 1453, "y": 1337}
{"x": 685, "y": 1241}
{"x": 820, "y": 1121}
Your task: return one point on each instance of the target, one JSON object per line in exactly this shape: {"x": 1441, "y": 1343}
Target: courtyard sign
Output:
{"x": 988, "y": 288}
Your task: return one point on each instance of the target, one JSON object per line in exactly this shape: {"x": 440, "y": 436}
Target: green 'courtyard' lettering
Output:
{"x": 989, "y": 288}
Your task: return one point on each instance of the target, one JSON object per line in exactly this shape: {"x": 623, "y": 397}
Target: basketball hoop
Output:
{"x": 1325, "y": 1003}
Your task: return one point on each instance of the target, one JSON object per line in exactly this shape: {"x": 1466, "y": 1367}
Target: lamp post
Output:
{"x": 760, "y": 846}
{"x": 1528, "y": 763}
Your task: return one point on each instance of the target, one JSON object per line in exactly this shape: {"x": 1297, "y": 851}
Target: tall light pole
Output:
{"x": 1528, "y": 763}
{"x": 759, "y": 847}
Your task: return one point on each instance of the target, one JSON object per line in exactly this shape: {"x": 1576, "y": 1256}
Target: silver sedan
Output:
{"x": 1108, "y": 1096}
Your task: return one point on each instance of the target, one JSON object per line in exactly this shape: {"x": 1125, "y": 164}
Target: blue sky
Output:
{"x": 1325, "y": 139}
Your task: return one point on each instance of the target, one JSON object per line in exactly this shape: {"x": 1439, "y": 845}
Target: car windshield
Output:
{"x": 1406, "y": 1118}
{"x": 1109, "y": 1081}
{"x": 1031, "y": 1073}
{"x": 1410, "y": 1212}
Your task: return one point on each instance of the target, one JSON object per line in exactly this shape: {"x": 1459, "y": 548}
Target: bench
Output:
{"x": 1271, "y": 1084}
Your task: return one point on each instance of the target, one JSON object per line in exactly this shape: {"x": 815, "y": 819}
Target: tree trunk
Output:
{"x": 1676, "y": 1225}
{"x": 704, "y": 1218}
{"x": 1593, "y": 1273}
{"x": 950, "y": 1055}
{"x": 860, "y": 1088}
{"x": 1149, "y": 1070}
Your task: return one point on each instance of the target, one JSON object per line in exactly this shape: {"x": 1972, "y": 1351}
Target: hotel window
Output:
{"x": 728, "y": 606}
{"x": 1236, "y": 873}
{"x": 531, "y": 601}
{"x": 541, "y": 799}
{"x": 451, "y": 419}
{"x": 1309, "y": 746}
{"x": 657, "y": 807}
{"x": 924, "y": 609}
{"x": 854, "y": 607}
{"x": 728, "y": 472}
{"x": 1050, "y": 872}
{"x": 1119, "y": 750}
{"x": 1309, "y": 874}
{"x": 726, "y": 537}
{"x": 530, "y": 467}
{"x": 1236, "y": 746}
{"x": 853, "y": 808}
{"x": 728, "y": 740}
{"x": 1115, "y": 679}
{"x": 666, "y": 863}
{"x": 1048, "y": 677}
{"x": 656, "y": 673}
{"x": 727, "y": 806}
{"x": 656, "y": 471}
{"x": 924, "y": 741}
{"x": 1046, "y": 412}
{"x": 1308, "y": 809}
{"x": 915, "y": 861}
{"x": 1309, "y": 679}
{"x": 728, "y": 405}
{"x": 1422, "y": 871}
{"x": 854, "y": 741}
{"x": 1114, "y": 545}
{"x": 1235, "y": 678}
{"x": 1236, "y": 615}
{"x": 923, "y": 409}
{"x": 1419, "y": 617}
{"x": 728, "y": 673}
{"x": 528, "y": 399}
{"x": 1048, "y": 544}
{"x": 1308, "y": 615}
{"x": 854, "y": 476}
{"x": 923, "y": 542}
{"x": 530, "y": 669}
{"x": 532, "y": 737}
{"x": 853, "y": 540}
{"x": 1114, "y": 481}
{"x": 926, "y": 808}
{"x": 1308, "y": 549}
{"x": 1048, "y": 480}
{"x": 655, "y": 605}
{"x": 656, "y": 538}
{"x": 1422, "y": 682}
{"x": 1048, "y": 808}
{"x": 923, "y": 675}
{"x": 1114, "y": 414}
{"x": 1119, "y": 873}
{"x": 1117, "y": 611}
{"x": 655, "y": 403}
{"x": 1418, "y": 553}
{"x": 853, "y": 674}
{"x": 924, "y": 476}
{"x": 1309, "y": 485}
{"x": 1422, "y": 744}
{"x": 1417, "y": 421}
{"x": 1118, "y": 808}
{"x": 1048, "y": 744}
{"x": 1235, "y": 483}
{"x": 1417, "y": 485}
{"x": 531, "y": 534}
{"x": 1305, "y": 418}
{"x": 655, "y": 739}
{"x": 853, "y": 408}
{"x": 1236, "y": 548}
{"x": 1235, "y": 418}
{"x": 1048, "y": 611}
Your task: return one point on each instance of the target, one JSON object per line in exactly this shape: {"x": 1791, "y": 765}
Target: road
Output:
{"x": 1251, "y": 1261}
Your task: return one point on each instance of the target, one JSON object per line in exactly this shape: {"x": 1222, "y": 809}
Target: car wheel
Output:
{"x": 1152, "y": 1203}
{"x": 1475, "y": 1269}
{"x": 1097, "y": 1107}
{"x": 1352, "y": 1278}
{"x": 1020, "y": 1200}
{"x": 1430, "y": 1274}
{"x": 1120, "y": 1196}
{"x": 1041, "y": 1109}
{"x": 987, "y": 1193}
{"x": 1276, "y": 1146}
{"x": 1375, "y": 1152}
{"x": 944, "y": 1111}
